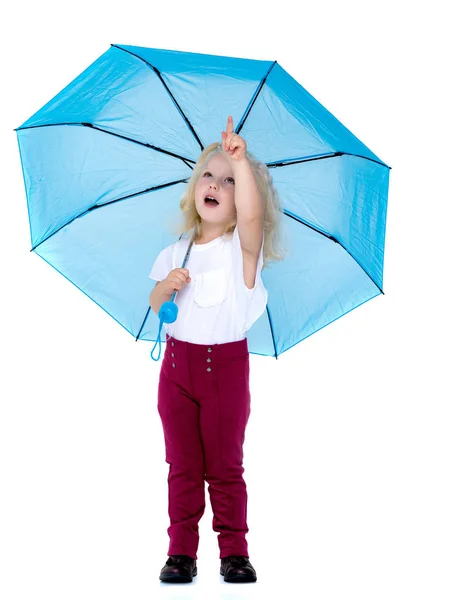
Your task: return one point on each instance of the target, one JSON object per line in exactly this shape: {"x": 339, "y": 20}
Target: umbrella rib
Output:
{"x": 330, "y": 237}
{"x": 123, "y": 137}
{"x": 95, "y": 206}
{"x": 294, "y": 161}
{"x": 251, "y": 103}
{"x": 143, "y": 323}
{"x": 271, "y": 331}
{"x": 158, "y": 73}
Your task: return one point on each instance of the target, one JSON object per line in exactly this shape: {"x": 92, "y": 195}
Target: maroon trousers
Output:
{"x": 204, "y": 405}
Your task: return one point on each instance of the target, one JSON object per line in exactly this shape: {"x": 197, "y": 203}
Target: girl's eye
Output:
{"x": 207, "y": 173}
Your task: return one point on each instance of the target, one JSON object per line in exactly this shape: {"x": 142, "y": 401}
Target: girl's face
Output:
{"x": 216, "y": 180}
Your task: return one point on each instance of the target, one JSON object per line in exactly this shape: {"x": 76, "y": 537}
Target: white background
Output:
{"x": 346, "y": 452}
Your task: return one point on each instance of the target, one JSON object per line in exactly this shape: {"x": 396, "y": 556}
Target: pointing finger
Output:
{"x": 229, "y": 126}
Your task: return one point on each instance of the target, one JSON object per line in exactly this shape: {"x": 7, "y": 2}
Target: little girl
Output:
{"x": 232, "y": 212}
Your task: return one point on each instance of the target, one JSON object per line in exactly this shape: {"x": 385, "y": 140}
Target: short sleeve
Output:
{"x": 253, "y": 300}
{"x": 163, "y": 264}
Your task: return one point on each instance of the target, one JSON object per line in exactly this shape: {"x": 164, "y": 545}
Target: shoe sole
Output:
{"x": 178, "y": 578}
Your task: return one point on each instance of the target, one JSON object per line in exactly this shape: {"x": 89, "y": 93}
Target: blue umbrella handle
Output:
{"x": 168, "y": 311}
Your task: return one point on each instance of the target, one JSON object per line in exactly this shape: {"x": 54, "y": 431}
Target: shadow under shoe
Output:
{"x": 179, "y": 568}
{"x": 237, "y": 569}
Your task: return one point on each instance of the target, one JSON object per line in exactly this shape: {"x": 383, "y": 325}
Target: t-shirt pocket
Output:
{"x": 210, "y": 287}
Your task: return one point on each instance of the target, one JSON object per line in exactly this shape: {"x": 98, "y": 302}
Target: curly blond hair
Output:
{"x": 191, "y": 221}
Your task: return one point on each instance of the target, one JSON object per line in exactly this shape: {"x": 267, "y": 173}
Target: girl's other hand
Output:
{"x": 234, "y": 145}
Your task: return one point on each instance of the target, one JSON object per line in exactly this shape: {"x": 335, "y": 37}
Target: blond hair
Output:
{"x": 191, "y": 221}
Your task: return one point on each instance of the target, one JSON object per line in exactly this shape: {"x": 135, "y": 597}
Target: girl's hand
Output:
{"x": 176, "y": 280}
{"x": 234, "y": 145}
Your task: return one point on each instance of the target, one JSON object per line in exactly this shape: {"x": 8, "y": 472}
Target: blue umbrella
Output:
{"x": 106, "y": 160}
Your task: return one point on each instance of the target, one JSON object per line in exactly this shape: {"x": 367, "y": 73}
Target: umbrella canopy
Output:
{"x": 106, "y": 160}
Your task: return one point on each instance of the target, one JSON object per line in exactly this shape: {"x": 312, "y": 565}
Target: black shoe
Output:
{"x": 237, "y": 569}
{"x": 179, "y": 568}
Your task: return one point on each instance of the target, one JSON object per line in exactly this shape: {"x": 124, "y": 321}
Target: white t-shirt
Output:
{"x": 216, "y": 307}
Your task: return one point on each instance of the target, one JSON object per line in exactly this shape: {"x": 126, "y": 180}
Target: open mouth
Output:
{"x": 210, "y": 201}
